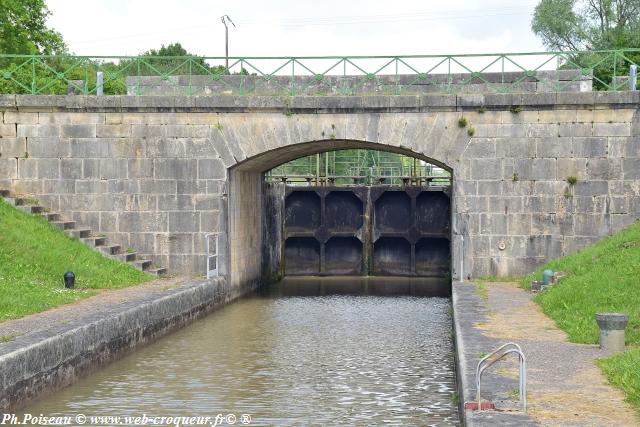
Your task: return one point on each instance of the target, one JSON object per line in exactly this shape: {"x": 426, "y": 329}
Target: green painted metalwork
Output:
{"x": 359, "y": 166}
{"x": 337, "y": 75}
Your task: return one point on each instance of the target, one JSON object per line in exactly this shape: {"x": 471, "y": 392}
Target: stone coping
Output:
{"x": 321, "y": 104}
{"x": 469, "y": 309}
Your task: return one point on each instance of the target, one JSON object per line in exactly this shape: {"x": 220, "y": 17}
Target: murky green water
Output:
{"x": 287, "y": 360}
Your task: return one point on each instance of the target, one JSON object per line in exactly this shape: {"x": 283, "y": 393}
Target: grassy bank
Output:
{"x": 623, "y": 370}
{"x": 604, "y": 277}
{"x": 34, "y": 255}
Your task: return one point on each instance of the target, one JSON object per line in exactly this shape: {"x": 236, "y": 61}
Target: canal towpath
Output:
{"x": 565, "y": 387}
{"x": 17, "y": 331}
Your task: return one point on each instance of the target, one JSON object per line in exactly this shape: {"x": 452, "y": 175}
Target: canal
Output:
{"x": 300, "y": 354}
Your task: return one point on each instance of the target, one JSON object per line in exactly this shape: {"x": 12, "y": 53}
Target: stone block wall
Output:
{"x": 158, "y": 173}
{"x": 144, "y": 181}
{"x": 514, "y": 190}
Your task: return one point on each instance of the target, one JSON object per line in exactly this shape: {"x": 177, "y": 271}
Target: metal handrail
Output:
{"x": 215, "y": 271}
{"x": 341, "y": 75}
{"x": 293, "y": 58}
{"x": 493, "y": 357}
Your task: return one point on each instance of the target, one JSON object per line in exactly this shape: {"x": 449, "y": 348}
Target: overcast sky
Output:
{"x": 297, "y": 27}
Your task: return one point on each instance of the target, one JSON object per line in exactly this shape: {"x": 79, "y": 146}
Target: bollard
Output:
{"x": 612, "y": 331}
{"x": 69, "y": 280}
{"x": 100, "y": 83}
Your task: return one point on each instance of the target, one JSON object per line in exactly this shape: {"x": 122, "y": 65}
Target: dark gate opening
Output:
{"x": 367, "y": 231}
{"x": 362, "y": 214}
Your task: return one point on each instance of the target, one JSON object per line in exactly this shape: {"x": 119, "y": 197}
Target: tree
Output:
{"x": 23, "y": 29}
{"x": 172, "y": 60}
{"x": 583, "y": 29}
{"x": 570, "y": 25}
{"x": 174, "y": 49}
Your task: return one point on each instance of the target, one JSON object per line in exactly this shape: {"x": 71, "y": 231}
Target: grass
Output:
{"x": 496, "y": 279}
{"x": 7, "y": 338}
{"x": 481, "y": 284}
{"x": 623, "y": 370}
{"x": 600, "y": 278}
{"x": 33, "y": 257}
{"x": 514, "y": 394}
{"x": 481, "y": 289}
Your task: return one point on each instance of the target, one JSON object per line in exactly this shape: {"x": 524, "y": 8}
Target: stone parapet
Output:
{"x": 319, "y": 104}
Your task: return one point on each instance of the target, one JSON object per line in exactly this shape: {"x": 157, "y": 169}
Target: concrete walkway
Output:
{"x": 565, "y": 386}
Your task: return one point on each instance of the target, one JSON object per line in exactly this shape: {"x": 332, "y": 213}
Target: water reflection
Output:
{"x": 347, "y": 285}
{"x": 289, "y": 360}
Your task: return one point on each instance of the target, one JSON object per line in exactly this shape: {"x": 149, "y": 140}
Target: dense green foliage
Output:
{"x": 56, "y": 75}
{"x": 171, "y": 60}
{"x": 33, "y": 258}
{"x": 23, "y": 29}
{"x": 570, "y": 25}
{"x": 591, "y": 25}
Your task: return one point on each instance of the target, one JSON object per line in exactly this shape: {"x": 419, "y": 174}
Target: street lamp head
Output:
{"x": 225, "y": 18}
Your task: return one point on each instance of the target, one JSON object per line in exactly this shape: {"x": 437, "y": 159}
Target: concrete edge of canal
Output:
{"x": 44, "y": 362}
{"x": 462, "y": 375}
{"x": 469, "y": 309}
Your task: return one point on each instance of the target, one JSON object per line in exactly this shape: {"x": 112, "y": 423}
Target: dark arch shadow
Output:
{"x": 245, "y": 203}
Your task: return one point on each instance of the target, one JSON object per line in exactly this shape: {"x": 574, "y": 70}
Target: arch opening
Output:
{"x": 334, "y": 208}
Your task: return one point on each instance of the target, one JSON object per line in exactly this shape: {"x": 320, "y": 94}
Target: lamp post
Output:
{"x": 225, "y": 19}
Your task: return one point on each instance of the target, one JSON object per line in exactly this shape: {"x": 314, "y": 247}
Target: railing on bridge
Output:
{"x": 332, "y": 75}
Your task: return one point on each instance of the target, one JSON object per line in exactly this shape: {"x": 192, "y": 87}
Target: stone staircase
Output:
{"x": 85, "y": 235}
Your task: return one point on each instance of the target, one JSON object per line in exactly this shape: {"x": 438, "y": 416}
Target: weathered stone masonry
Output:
{"x": 157, "y": 173}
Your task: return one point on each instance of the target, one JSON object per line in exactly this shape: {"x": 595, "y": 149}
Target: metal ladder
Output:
{"x": 212, "y": 258}
{"x": 496, "y": 355}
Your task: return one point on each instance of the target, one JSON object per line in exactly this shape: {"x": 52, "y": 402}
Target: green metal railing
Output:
{"x": 358, "y": 166}
{"x": 288, "y": 76}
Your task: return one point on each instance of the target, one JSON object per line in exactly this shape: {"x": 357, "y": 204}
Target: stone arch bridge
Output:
{"x": 157, "y": 173}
